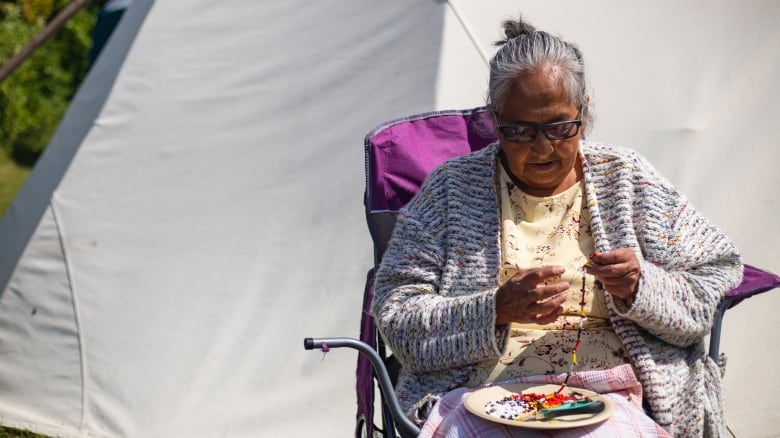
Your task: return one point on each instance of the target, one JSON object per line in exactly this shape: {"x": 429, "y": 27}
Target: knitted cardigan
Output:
{"x": 434, "y": 295}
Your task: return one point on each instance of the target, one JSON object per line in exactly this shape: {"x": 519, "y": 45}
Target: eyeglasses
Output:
{"x": 527, "y": 132}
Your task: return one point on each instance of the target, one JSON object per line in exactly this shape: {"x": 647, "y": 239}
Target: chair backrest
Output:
{"x": 401, "y": 153}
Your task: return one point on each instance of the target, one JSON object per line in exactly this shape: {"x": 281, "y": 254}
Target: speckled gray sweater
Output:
{"x": 434, "y": 297}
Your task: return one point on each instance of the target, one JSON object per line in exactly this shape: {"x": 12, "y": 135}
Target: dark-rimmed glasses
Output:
{"x": 527, "y": 132}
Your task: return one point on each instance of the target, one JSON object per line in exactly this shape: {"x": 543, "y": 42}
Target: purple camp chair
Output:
{"x": 399, "y": 155}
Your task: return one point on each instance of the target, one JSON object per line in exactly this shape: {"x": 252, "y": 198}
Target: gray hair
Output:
{"x": 527, "y": 50}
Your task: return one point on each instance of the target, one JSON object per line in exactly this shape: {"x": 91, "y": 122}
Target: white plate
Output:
{"x": 475, "y": 403}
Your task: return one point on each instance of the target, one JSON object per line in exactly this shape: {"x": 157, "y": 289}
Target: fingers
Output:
{"x": 527, "y": 298}
{"x": 548, "y": 318}
{"x": 618, "y": 271}
{"x": 539, "y": 275}
{"x": 550, "y": 302}
{"x": 613, "y": 272}
{"x": 533, "y": 282}
{"x": 548, "y": 310}
{"x": 615, "y": 256}
{"x": 534, "y": 312}
{"x": 542, "y": 293}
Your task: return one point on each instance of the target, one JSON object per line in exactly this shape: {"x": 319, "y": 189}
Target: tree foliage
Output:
{"x": 34, "y": 98}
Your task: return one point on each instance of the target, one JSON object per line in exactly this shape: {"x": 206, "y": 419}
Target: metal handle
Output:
{"x": 405, "y": 425}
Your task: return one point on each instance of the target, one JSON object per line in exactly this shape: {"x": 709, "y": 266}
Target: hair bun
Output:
{"x": 514, "y": 29}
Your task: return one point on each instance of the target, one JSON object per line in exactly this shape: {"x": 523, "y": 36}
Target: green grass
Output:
{"x": 7, "y": 432}
{"x": 12, "y": 176}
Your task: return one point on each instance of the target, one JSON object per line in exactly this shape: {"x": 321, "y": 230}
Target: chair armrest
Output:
{"x": 754, "y": 282}
{"x": 406, "y": 427}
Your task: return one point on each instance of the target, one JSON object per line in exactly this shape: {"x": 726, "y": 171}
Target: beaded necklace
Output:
{"x": 581, "y": 314}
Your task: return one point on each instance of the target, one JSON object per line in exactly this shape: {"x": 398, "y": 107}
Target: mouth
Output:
{"x": 547, "y": 165}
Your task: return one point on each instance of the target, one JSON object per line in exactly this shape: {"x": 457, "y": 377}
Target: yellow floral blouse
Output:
{"x": 541, "y": 231}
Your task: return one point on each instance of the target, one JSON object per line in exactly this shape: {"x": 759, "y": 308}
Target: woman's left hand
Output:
{"x": 618, "y": 271}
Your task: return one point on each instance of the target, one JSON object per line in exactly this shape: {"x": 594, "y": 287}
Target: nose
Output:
{"x": 542, "y": 145}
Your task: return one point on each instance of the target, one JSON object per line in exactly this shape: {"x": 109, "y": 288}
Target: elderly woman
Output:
{"x": 506, "y": 252}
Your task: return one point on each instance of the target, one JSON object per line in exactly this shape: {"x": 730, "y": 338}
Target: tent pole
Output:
{"x": 41, "y": 37}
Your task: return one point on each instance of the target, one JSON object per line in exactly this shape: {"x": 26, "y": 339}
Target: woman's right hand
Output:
{"x": 525, "y": 298}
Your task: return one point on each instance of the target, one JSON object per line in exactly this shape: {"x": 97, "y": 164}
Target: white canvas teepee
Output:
{"x": 199, "y": 211}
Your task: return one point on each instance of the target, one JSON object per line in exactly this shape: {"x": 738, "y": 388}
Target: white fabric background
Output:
{"x": 199, "y": 212}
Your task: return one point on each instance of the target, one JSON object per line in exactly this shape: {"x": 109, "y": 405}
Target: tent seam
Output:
{"x": 76, "y": 313}
{"x": 468, "y": 32}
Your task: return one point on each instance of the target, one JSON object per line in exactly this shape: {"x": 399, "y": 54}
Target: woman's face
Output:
{"x": 544, "y": 167}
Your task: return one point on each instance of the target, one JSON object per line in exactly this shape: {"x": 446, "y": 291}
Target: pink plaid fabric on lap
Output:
{"x": 449, "y": 418}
